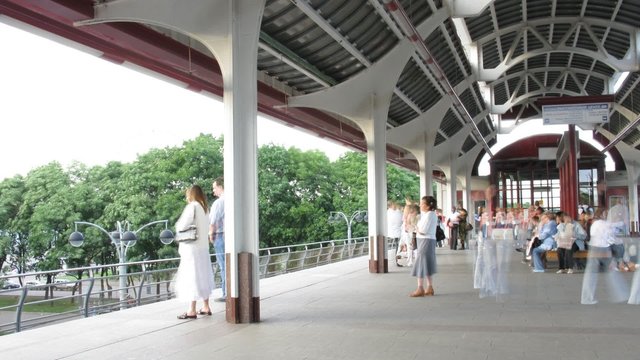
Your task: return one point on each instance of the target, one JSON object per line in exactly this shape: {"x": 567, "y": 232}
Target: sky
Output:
{"x": 61, "y": 104}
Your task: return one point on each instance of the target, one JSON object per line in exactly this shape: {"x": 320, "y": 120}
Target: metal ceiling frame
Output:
{"x": 392, "y": 25}
{"x": 622, "y": 134}
{"x": 542, "y": 88}
{"x": 582, "y": 30}
{"x": 313, "y": 14}
{"x": 275, "y": 48}
{"x": 398, "y": 13}
{"x": 593, "y": 47}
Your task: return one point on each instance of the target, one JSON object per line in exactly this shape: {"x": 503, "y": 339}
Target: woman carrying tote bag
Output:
{"x": 194, "y": 279}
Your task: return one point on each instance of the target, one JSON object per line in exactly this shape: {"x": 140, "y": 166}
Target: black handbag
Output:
{"x": 536, "y": 242}
{"x": 439, "y": 233}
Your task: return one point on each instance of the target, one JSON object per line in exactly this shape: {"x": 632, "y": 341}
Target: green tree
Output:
{"x": 296, "y": 192}
{"x": 153, "y": 188}
{"x": 313, "y": 184}
{"x": 350, "y": 192}
{"x": 11, "y": 194}
{"x": 44, "y": 214}
{"x": 401, "y": 183}
{"x": 294, "y": 195}
{"x": 93, "y": 189}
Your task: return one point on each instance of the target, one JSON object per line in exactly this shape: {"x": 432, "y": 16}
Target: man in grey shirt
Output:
{"x": 216, "y": 232}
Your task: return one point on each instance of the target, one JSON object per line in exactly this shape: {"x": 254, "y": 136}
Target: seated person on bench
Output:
{"x": 569, "y": 233}
{"x": 548, "y": 228}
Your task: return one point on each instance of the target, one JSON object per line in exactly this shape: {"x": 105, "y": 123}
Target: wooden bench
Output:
{"x": 552, "y": 256}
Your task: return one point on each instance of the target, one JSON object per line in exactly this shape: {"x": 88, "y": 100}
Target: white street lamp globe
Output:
{"x": 129, "y": 238}
{"x": 76, "y": 239}
{"x": 166, "y": 236}
{"x": 115, "y": 236}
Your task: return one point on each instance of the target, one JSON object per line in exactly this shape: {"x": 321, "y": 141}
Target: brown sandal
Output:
{"x": 418, "y": 293}
{"x": 429, "y": 291}
{"x": 186, "y": 316}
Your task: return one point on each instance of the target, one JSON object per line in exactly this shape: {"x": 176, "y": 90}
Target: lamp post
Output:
{"x": 122, "y": 238}
{"x": 358, "y": 216}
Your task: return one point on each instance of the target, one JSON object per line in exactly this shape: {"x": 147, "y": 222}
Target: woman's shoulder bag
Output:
{"x": 190, "y": 233}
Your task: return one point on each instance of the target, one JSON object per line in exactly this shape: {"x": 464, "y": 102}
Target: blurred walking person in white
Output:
{"x": 394, "y": 226}
{"x": 410, "y": 219}
{"x": 492, "y": 260}
{"x": 634, "y": 296}
{"x": 598, "y": 260}
{"x": 619, "y": 221}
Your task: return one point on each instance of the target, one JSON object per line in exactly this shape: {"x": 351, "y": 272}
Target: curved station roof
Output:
{"x": 481, "y": 67}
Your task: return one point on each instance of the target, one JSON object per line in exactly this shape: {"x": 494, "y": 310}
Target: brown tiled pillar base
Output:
{"x": 377, "y": 262}
{"x": 245, "y": 308}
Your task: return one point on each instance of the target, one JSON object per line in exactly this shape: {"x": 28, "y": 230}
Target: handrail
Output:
{"x": 87, "y": 299}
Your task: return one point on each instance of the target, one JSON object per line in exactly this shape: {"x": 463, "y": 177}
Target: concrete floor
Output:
{"x": 341, "y": 311}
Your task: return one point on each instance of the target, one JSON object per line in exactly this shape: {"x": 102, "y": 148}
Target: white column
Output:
{"x": 446, "y": 191}
{"x": 425, "y": 165}
{"x": 452, "y": 186}
{"x": 375, "y": 132}
{"x": 376, "y": 171}
{"x": 365, "y": 99}
{"x": 468, "y": 203}
{"x": 426, "y": 175}
{"x": 230, "y": 29}
{"x": 238, "y": 63}
{"x": 632, "y": 183}
{"x": 440, "y": 197}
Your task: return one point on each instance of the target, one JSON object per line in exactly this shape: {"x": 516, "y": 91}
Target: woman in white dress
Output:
{"x": 425, "y": 265}
{"x": 194, "y": 279}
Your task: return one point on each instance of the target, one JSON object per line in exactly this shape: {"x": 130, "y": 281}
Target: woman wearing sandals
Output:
{"x": 425, "y": 265}
{"x": 194, "y": 279}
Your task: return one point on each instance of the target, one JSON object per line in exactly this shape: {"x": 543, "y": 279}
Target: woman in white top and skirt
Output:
{"x": 194, "y": 278}
{"x": 425, "y": 265}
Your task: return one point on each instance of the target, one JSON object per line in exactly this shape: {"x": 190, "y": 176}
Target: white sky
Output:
{"x": 59, "y": 103}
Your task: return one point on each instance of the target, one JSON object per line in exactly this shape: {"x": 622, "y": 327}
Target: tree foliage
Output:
{"x": 294, "y": 195}
{"x": 11, "y": 198}
{"x": 296, "y": 192}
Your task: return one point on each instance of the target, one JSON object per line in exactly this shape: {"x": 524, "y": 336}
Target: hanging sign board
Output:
{"x": 547, "y": 153}
{"x": 576, "y": 114}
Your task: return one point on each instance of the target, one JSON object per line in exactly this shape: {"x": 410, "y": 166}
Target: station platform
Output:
{"x": 341, "y": 311}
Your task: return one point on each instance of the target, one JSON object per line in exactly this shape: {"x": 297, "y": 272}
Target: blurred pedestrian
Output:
{"x": 599, "y": 260}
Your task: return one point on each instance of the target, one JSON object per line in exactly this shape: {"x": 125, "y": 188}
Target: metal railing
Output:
{"x": 283, "y": 259}
{"x": 35, "y": 305}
